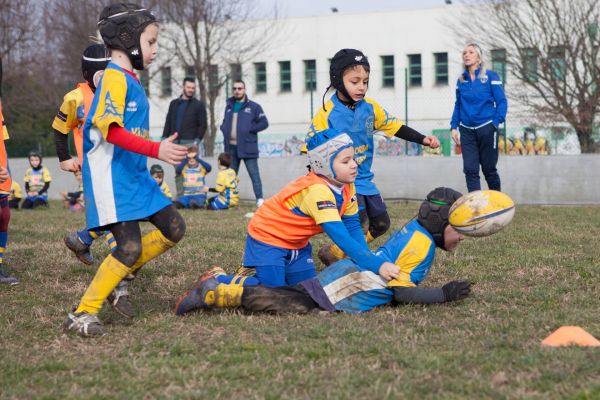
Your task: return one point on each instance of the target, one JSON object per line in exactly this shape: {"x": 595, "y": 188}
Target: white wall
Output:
{"x": 527, "y": 179}
{"x": 398, "y": 33}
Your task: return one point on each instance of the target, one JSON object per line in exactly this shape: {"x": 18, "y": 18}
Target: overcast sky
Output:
{"x": 323, "y": 7}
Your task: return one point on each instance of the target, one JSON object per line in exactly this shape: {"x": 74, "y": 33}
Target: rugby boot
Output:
{"x": 119, "y": 300}
{"x": 80, "y": 249}
{"x": 197, "y": 297}
{"x": 6, "y": 278}
{"x": 84, "y": 324}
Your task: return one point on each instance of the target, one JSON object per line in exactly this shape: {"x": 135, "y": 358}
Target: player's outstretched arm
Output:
{"x": 409, "y": 134}
{"x": 166, "y": 150}
{"x": 451, "y": 291}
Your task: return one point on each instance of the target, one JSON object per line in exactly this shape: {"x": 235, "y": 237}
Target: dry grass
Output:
{"x": 541, "y": 273}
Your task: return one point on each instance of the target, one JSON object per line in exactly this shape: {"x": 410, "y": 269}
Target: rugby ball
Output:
{"x": 481, "y": 213}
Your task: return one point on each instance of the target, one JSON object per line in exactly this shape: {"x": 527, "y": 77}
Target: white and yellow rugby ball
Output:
{"x": 481, "y": 213}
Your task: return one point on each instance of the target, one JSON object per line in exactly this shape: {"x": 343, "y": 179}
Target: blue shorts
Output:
{"x": 215, "y": 204}
{"x": 372, "y": 204}
{"x": 194, "y": 199}
{"x": 43, "y": 198}
{"x": 276, "y": 266}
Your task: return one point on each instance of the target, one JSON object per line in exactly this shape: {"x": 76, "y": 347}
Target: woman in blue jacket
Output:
{"x": 479, "y": 109}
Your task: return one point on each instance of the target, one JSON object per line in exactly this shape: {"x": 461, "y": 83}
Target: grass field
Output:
{"x": 539, "y": 274}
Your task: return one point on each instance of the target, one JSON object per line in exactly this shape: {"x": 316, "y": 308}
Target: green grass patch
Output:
{"x": 542, "y": 272}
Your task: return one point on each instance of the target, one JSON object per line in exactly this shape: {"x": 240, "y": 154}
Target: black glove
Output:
{"x": 456, "y": 290}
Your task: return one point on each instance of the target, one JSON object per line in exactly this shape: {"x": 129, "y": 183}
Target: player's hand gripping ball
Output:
{"x": 482, "y": 213}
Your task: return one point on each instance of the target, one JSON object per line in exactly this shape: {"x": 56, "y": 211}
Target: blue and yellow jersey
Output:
{"x": 193, "y": 179}
{"x": 72, "y": 114}
{"x": 360, "y": 123}
{"x": 15, "y": 191}
{"x": 412, "y": 249}
{"x": 291, "y": 217}
{"x": 37, "y": 178}
{"x": 227, "y": 186}
{"x": 354, "y": 289}
{"x": 166, "y": 190}
{"x": 117, "y": 184}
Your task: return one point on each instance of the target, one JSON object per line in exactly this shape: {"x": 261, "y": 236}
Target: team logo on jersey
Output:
{"x": 248, "y": 110}
{"x": 483, "y": 78}
{"x": 322, "y": 205}
{"x": 109, "y": 106}
{"x": 132, "y": 106}
{"x": 369, "y": 123}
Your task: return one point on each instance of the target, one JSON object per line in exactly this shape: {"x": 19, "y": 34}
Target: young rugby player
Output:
{"x": 37, "y": 182}
{"x": 226, "y": 186}
{"x": 193, "y": 171}
{"x": 348, "y": 110}
{"x": 158, "y": 173}
{"x": 348, "y": 286}
{"x": 70, "y": 117}
{"x": 277, "y": 244}
{"x": 115, "y": 168}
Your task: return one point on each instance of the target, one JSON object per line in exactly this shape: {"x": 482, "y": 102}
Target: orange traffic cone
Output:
{"x": 570, "y": 335}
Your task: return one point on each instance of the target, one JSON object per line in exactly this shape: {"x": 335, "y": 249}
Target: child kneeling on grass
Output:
{"x": 348, "y": 286}
{"x": 226, "y": 186}
{"x": 324, "y": 200}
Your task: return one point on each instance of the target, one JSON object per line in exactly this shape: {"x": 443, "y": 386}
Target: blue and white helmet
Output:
{"x": 323, "y": 147}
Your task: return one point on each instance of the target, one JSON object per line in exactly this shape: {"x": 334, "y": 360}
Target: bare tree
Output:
{"x": 17, "y": 26}
{"x": 552, "y": 49}
{"x": 210, "y": 35}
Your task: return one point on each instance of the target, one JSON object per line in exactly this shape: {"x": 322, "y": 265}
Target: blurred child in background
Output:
{"x": 16, "y": 195}
{"x": 226, "y": 186}
{"x": 37, "y": 182}
{"x": 193, "y": 171}
{"x": 158, "y": 173}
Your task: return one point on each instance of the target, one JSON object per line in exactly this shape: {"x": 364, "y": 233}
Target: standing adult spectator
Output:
{"x": 187, "y": 118}
{"x": 479, "y": 109}
{"x": 242, "y": 121}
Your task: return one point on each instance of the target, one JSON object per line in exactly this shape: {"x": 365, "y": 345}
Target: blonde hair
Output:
{"x": 479, "y": 53}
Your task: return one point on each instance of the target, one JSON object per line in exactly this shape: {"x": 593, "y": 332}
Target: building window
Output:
{"x": 235, "y": 73}
{"x": 213, "y": 79}
{"x": 387, "y": 67}
{"x": 441, "y": 68}
{"x": 190, "y": 72}
{"x": 260, "y": 70}
{"x": 165, "y": 82}
{"x": 530, "y": 64}
{"x": 145, "y": 80}
{"x": 285, "y": 76}
{"x": 557, "y": 63}
{"x": 310, "y": 75}
{"x": 414, "y": 70}
{"x": 499, "y": 63}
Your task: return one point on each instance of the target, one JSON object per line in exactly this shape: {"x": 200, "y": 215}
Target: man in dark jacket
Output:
{"x": 187, "y": 118}
{"x": 242, "y": 121}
